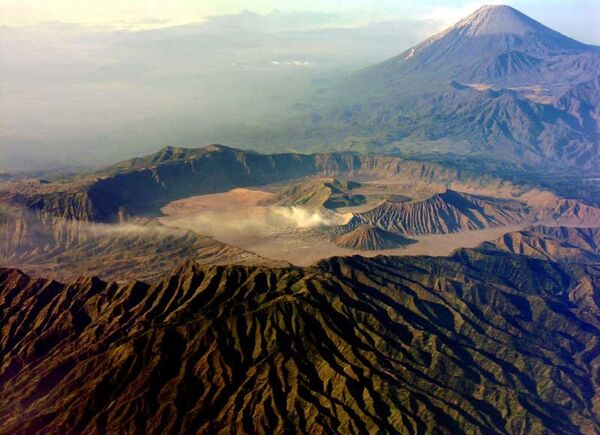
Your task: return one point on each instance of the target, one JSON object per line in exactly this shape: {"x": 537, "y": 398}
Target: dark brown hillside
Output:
{"x": 474, "y": 343}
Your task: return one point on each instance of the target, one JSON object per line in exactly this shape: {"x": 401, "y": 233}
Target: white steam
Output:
{"x": 303, "y": 218}
{"x": 261, "y": 222}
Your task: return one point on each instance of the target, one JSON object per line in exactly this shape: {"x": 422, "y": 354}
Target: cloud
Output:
{"x": 94, "y": 96}
{"x": 447, "y": 16}
{"x": 292, "y": 63}
{"x": 144, "y": 23}
{"x": 304, "y": 218}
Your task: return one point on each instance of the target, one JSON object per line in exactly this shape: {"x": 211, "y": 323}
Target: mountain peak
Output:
{"x": 499, "y": 19}
{"x": 489, "y": 31}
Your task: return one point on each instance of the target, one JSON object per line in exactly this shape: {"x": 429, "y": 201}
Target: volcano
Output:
{"x": 497, "y": 85}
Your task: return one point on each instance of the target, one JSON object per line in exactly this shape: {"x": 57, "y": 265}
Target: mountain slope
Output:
{"x": 579, "y": 245}
{"x": 370, "y": 238}
{"x": 491, "y": 32}
{"x": 473, "y": 343}
{"x": 497, "y": 85}
{"x": 443, "y": 213}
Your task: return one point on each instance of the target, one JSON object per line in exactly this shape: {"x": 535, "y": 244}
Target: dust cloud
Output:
{"x": 247, "y": 223}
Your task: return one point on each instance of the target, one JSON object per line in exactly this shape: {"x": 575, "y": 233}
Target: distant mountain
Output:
{"x": 370, "y": 238}
{"x": 474, "y": 343}
{"x": 447, "y": 212}
{"x": 497, "y": 85}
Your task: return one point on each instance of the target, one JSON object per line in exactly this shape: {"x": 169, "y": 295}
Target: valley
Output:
{"x": 413, "y": 248}
{"x": 300, "y": 238}
{"x": 305, "y": 208}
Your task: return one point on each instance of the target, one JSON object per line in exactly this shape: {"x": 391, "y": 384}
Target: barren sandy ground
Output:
{"x": 304, "y": 249}
{"x": 231, "y": 200}
{"x": 233, "y": 217}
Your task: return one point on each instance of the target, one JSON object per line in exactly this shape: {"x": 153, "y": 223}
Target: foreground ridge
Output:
{"x": 477, "y": 342}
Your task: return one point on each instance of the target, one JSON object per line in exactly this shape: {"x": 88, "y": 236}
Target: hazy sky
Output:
{"x": 89, "y": 92}
{"x": 578, "y": 18}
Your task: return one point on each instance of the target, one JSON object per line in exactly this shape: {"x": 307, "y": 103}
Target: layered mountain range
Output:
{"x": 170, "y": 331}
{"x": 497, "y": 85}
{"x": 477, "y": 342}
